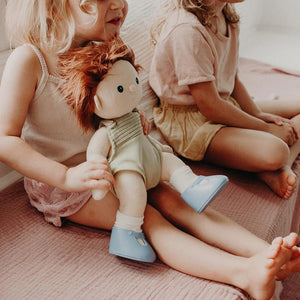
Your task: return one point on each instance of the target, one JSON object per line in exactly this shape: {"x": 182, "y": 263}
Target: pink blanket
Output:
{"x": 40, "y": 261}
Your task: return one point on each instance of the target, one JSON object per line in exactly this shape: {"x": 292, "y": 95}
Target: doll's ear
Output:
{"x": 97, "y": 102}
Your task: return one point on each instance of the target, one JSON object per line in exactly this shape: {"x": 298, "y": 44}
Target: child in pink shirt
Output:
{"x": 205, "y": 112}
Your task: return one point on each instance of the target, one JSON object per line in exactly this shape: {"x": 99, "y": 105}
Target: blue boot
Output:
{"x": 130, "y": 244}
{"x": 203, "y": 190}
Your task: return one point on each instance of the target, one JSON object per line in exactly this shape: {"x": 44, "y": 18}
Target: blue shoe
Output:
{"x": 203, "y": 190}
{"x": 130, "y": 244}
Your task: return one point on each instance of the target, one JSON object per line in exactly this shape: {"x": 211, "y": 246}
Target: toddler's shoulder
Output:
{"x": 181, "y": 22}
{"x": 24, "y": 57}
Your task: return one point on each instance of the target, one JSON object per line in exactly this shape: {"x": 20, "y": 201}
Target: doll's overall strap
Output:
{"x": 45, "y": 73}
{"x": 125, "y": 128}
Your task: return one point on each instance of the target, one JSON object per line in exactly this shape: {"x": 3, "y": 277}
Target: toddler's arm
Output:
{"x": 19, "y": 81}
{"x": 288, "y": 130}
{"x": 213, "y": 107}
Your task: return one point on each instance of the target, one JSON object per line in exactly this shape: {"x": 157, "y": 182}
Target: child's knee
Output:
{"x": 276, "y": 156}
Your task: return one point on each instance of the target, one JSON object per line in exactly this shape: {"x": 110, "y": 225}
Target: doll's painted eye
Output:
{"x": 137, "y": 80}
{"x": 120, "y": 89}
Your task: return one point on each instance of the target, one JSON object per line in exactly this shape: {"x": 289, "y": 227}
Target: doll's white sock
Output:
{"x": 182, "y": 178}
{"x": 129, "y": 222}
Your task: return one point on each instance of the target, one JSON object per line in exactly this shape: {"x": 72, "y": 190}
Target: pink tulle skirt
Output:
{"x": 54, "y": 203}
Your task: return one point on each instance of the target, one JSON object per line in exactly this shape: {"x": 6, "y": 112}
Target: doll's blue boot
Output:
{"x": 203, "y": 190}
{"x": 130, "y": 244}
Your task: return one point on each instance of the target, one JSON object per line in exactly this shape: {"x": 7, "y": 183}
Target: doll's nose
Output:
{"x": 132, "y": 88}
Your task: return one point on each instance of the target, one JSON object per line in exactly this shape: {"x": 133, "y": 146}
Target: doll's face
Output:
{"x": 119, "y": 92}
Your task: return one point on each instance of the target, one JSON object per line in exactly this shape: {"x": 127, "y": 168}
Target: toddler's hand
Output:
{"x": 278, "y": 120}
{"x": 284, "y": 131}
{"x": 89, "y": 175}
{"x": 145, "y": 122}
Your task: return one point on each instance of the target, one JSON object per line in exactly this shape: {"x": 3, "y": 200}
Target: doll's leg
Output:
{"x": 197, "y": 191}
{"x": 102, "y": 214}
{"x": 127, "y": 239}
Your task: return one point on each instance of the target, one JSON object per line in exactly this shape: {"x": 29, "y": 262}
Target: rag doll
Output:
{"x": 102, "y": 87}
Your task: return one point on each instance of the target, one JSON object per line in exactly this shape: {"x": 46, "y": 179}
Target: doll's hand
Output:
{"x": 89, "y": 175}
{"x": 146, "y": 124}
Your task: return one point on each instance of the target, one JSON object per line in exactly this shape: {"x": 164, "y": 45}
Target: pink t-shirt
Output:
{"x": 187, "y": 53}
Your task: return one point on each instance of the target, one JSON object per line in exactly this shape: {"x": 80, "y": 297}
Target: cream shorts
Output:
{"x": 186, "y": 129}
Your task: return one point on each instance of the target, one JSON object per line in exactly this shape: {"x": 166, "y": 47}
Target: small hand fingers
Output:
{"x": 292, "y": 126}
{"x": 146, "y": 128}
{"x": 96, "y": 165}
{"x": 99, "y": 184}
{"x": 101, "y": 175}
{"x": 295, "y": 131}
{"x": 291, "y": 140}
{"x": 278, "y": 121}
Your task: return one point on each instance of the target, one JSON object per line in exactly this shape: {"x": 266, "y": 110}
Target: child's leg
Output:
{"x": 276, "y": 178}
{"x": 210, "y": 226}
{"x": 189, "y": 255}
{"x": 254, "y": 151}
{"x": 98, "y": 213}
{"x": 216, "y": 229}
{"x": 199, "y": 259}
{"x": 286, "y": 108}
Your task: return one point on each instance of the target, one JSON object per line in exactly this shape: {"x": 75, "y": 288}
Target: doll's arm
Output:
{"x": 98, "y": 149}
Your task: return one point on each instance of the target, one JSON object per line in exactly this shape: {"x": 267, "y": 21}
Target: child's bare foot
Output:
{"x": 261, "y": 270}
{"x": 293, "y": 265}
{"x": 282, "y": 182}
{"x": 290, "y": 240}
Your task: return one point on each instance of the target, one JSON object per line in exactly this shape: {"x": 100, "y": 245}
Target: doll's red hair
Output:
{"x": 82, "y": 69}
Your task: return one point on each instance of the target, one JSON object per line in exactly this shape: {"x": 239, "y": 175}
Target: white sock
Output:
{"x": 182, "y": 178}
{"x": 129, "y": 222}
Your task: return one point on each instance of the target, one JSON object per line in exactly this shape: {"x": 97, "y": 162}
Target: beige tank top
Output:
{"x": 50, "y": 127}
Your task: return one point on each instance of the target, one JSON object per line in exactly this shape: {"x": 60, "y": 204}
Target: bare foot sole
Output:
{"x": 293, "y": 265}
{"x": 263, "y": 268}
{"x": 282, "y": 182}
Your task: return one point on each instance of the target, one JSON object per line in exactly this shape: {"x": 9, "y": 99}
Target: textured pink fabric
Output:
{"x": 263, "y": 81}
{"x": 39, "y": 261}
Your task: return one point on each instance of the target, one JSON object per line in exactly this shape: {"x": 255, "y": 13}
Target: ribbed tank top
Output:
{"x": 51, "y": 127}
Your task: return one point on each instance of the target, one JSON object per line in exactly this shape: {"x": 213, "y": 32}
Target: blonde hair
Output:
{"x": 47, "y": 24}
{"x": 202, "y": 9}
